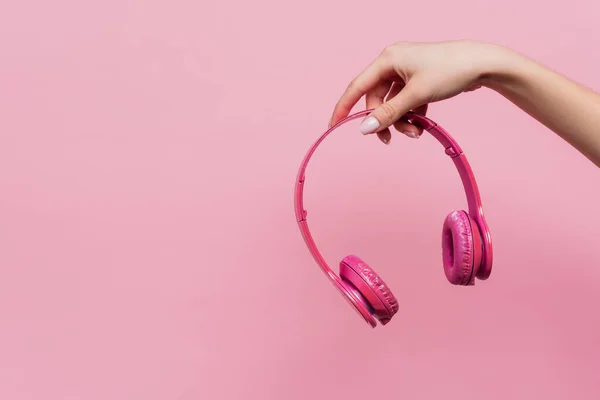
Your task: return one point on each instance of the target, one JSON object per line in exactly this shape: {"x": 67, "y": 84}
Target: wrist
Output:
{"x": 502, "y": 68}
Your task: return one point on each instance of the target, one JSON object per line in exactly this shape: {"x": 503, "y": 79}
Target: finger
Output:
{"x": 472, "y": 87}
{"x": 382, "y": 117}
{"x": 394, "y": 90}
{"x": 367, "y": 80}
{"x": 422, "y": 109}
{"x": 385, "y": 136}
{"x": 374, "y": 98}
{"x": 411, "y": 130}
{"x": 407, "y": 129}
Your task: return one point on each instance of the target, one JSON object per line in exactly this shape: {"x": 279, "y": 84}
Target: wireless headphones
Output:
{"x": 466, "y": 240}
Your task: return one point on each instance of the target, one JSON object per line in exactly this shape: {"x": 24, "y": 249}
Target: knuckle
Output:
{"x": 353, "y": 85}
{"x": 388, "y": 51}
{"x": 388, "y": 111}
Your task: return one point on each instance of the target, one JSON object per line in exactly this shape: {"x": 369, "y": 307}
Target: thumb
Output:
{"x": 391, "y": 111}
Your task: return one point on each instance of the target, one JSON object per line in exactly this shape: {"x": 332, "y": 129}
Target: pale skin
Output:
{"x": 409, "y": 76}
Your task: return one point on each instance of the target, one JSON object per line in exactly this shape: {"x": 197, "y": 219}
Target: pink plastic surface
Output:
{"x": 461, "y": 248}
{"x": 475, "y": 208}
{"x": 358, "y": 274}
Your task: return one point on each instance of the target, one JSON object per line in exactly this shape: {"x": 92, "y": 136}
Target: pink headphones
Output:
{"x": 466, "y": 241}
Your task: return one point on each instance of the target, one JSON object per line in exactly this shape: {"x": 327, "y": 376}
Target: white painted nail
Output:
{"x": 369, "y": 125}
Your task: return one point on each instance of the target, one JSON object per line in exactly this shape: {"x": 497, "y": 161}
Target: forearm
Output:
{"x": 565, "y": 107}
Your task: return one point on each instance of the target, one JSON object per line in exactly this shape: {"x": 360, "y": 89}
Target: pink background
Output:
{"x": 148, "y": 248}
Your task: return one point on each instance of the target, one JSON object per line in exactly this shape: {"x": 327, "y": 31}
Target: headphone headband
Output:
{"x": 451, "y": 148}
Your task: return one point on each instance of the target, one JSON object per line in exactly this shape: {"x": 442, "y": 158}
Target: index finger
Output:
{"x": 376, "y": 72}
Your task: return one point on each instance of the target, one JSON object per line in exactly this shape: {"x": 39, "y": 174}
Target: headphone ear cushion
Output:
{"x": 461, "y": 248}
{"x": 382, "y": 302}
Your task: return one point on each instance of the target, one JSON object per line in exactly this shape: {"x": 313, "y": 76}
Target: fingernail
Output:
{"x": 369, "y": 125}
{"x": 385, "y": 140}
{"x": 411, "y": 134}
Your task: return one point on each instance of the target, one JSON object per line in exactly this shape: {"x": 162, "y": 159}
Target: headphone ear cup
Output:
{"x": 461, "y": 248}
{"x": 380, "y": 299}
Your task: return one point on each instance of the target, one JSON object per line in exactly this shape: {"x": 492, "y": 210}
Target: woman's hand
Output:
{"x": 408, "y": 76}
